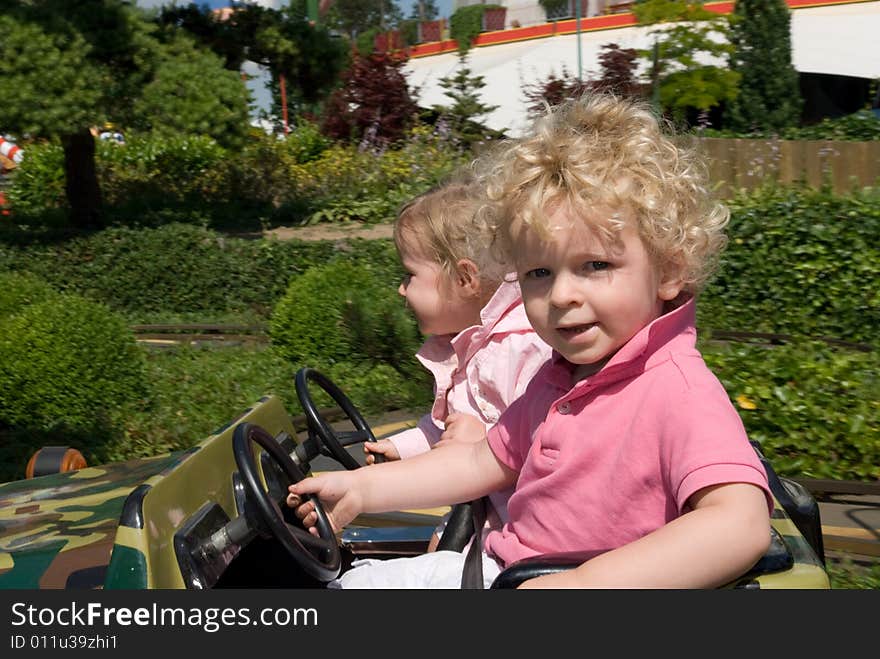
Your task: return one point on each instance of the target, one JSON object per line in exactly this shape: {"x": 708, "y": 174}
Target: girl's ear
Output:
{"x": 467, "y": 280}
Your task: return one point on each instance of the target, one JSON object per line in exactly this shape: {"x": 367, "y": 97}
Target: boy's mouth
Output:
{"x": 571, "y": 332}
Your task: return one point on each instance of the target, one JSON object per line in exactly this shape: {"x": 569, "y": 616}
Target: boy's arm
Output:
{"x": 724, "y": 534}
{"x": 449, "y": 474}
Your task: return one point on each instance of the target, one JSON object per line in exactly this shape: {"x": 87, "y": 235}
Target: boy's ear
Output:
{"x": 670, "y": 284}
{"x": 468, "y": 278}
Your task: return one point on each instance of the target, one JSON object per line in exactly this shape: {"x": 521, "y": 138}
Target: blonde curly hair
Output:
{"x": 443, "y": 225}
{"x": 601, "y": 151}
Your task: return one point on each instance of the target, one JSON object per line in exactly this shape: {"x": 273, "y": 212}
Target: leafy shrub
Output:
{"x": 172, "y": 268}
{"x": 38, "y": 182}
{"x": 800, "y": 262}
{"x": 196, "y": 389}
{"x": 305, "y": 142}
{"x": 65, "y": 363}
{"x": 346, "y": 184}
{"x": 20, "y": 289}
{"x": 153, "y": 167}
{"x": 342, "y": 312}
{"x": 177, "y": 272}
{"x": 861, "y": 126}
{"x": 381, "y": 387}
{"x": 466, "y": 23}
{"x": 813, "y": 408}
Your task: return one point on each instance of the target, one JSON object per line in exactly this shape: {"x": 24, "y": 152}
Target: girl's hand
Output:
{"x": 338, "y": 493}
{"x": 464, "y": 428}
{"x": 383, "y": 447}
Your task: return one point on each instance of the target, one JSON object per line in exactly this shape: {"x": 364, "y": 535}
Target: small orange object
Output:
{"x": 54, "y": 460}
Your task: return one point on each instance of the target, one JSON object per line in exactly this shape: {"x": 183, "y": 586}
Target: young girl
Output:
{"x": 624, "y": 442}
{"x": 481, "y": 349}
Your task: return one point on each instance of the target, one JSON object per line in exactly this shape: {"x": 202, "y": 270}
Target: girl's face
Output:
{"x": 439, "y": 305}
{"x": 584, "y": 296}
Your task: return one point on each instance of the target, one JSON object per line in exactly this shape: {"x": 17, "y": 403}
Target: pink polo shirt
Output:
{"x": 616, "y": 456}
{"x": 479, "y": 371}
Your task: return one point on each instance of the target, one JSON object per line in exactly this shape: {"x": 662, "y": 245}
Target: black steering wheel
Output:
{"x": 318, "y": 556}
{"x": 318, "y": 426}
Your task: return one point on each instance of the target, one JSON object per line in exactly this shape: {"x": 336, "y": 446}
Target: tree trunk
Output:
{"x": 81, "y": 180}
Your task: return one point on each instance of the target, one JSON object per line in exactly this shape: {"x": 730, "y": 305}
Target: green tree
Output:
{"x": 424, "y": 10}
{"x": 191, "y": 93}
{"x": 354, "y": 17}
{"x": 462, "y": 116}
{"x": 307, "y": 56}
{"x": 68, "y": 66}
{"x": 64, "y": 67}
{"x": 686, "y": 37}
{"x": 769, "y": 98}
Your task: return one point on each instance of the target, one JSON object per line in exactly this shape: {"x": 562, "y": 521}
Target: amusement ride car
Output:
{"x": 214, "y": 516}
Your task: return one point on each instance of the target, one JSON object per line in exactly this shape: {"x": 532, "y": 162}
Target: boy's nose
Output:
{"x": 401, "y": 290}
{"x": 565, "y": 291}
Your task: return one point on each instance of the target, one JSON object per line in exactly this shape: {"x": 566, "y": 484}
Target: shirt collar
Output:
{"x": 498, "y": 315}
{"x": 676, "y": 326}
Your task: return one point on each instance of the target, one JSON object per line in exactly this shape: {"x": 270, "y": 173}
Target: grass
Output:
{"x": 846, "y": 572}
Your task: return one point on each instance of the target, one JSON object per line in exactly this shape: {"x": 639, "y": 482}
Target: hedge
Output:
{"x": 800, "y": 262}
{"x": 65, "y": 364}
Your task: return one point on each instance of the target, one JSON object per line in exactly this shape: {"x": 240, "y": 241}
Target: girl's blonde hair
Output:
{"x": 600, "y": 151}
{"x": 442, "y": 225}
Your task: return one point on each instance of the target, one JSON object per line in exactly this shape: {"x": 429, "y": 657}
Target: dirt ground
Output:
{"x": 330, "y": 232}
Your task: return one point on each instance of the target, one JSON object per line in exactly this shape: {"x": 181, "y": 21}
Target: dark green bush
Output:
{"x": 466, "y": 23}
{"x": 150, "y": 170}
{"x": 65, "y": 364}
{"x": 342, "y": 312}
{"x": 861, "y": 126}
{"x": 178, "y": 271}
{"x": 800, "y": 262}
{"x": 20, "y": 289}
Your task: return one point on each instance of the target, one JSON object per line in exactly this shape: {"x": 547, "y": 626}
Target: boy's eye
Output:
{"x": 598, "y": 265}
{"x": 537, "y": 273}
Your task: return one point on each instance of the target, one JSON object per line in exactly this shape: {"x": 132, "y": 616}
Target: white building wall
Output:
{"x": 838, "y": 40}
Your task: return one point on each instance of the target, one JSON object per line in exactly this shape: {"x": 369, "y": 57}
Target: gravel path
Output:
{"x": 330, "y": 232}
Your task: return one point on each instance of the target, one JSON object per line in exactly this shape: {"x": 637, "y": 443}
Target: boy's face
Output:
{"x": 584, "y": 296}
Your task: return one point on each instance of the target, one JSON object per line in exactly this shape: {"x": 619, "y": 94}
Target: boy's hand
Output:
{"x": 337, "y": 493}
{"x": 465, "y": 428}
{"x": 383, "y": 447}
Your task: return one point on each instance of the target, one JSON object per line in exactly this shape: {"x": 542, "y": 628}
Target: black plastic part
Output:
{"x": 319, "y": 556}
{"x": 459, "y": 528}
{"x": 798, "y": 504}
{"x": 777, "y": 559}
{"x": 133, "y": 509}
{"x": 87, "y": 578}
{"x": 319, "y": 428}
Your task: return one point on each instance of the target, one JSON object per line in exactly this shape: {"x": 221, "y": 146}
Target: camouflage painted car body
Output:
{"x": 118, "y": 526}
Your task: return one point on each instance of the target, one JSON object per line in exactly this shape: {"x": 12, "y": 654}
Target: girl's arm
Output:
{"x": 452, "y": 473}
{"x": 416, "y": 440}
{"x": 725, "y": 533}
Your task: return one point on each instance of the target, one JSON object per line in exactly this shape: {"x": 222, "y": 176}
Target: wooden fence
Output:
{"x": 746, "y": 163}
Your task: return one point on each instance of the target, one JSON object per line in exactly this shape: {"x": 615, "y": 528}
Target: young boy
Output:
{"x": 624, "y": 442}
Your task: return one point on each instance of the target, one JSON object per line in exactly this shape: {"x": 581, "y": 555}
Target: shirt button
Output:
{"x": 564, "y": 407}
